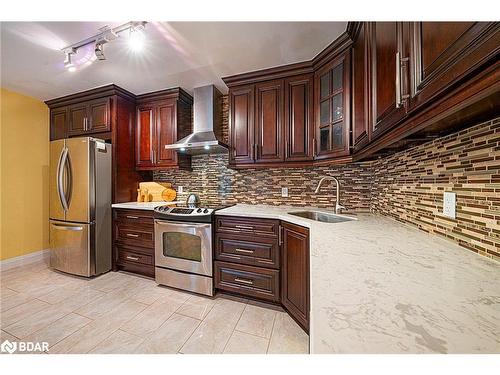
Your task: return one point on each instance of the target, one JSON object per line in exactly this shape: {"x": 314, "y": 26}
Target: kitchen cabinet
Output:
{"x": 299, "y": 133}
{"x": 269, "y": 145}
{"x": 264, "y": 259}
{"x": 133, "y": 241}
{"x": 332, "y": 107}
{"x": 89, "y": 117}
{"x": 247, "y": 257}
{"x": 271, "y": 122}
{"x": 162, "y": 118}
{"x": 444, "y": 53}
{"x": 387, "y": 102}
{"x": 361, "y": 130}
{"x": 295, "y": 272}
{"x": 108, "y": 113}
{"x": 58, "y": 123}
{"x": 241, "y": 122}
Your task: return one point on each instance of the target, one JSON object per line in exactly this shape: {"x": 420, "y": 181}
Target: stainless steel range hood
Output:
{"x": 207, "y": 128}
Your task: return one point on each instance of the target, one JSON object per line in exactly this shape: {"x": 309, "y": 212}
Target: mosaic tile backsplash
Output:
{"x": 407, "y": 186}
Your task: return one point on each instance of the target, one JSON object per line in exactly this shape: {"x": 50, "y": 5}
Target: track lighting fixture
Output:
{"x": 106, "y": 35}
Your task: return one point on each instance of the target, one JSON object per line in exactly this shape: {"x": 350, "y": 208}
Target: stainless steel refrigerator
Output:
{"x": 80, "y": 206}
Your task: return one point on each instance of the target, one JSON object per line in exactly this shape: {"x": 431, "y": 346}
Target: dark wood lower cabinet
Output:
{"x": 295, "y": 273}
{"x": 133, "y": 241}
{"x": 264, "y": 259}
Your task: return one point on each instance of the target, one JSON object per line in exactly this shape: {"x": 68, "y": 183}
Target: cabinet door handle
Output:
{"x": 132, "y": 217}
{"x": 243, "y": 227}
{"x": 244, "y": 281}
{"x": 132, "y": 235}
{"x": 314, "y": 147}
{"x": 280, "y": 235}
{"x": 398, "y": 80}
{"x": 132, "y": 258}
{"x": 244, "y": 251}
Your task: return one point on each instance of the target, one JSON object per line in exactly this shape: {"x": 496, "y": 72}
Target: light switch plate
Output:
{"x": 180, "y": 189}
{"x": 449, "y": 204}
{"x": 284, "y": 192}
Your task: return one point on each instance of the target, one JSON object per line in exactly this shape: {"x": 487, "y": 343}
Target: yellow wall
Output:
{"x": 24, "y": 160}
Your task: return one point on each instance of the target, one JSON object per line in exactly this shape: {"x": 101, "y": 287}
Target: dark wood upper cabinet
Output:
{"x": 99, "y": 115}
{"x": 89, "y": 117}
{"x": 269, "y": 145}
{"x": 241, "y": 125}
{"x": 77, "y": 119}
{"x": 332, "y": 104}
{"x": 144, "y": 136}
{"x": 295, "y": 272}
{"x": 299, "y": 133}
{"x": 58, "y": 123}
{"x": 387, "y": 78}
{"x": 444, "y": 53}
{"x": 360, "y": 89}
{"x": 166, "y": 133}
{"x": 163, "y": 117}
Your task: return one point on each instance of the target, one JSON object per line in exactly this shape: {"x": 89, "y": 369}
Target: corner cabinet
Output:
{"x": 332, "y": 103}
{"x": 264, "y": 259}
{"x": 295, "y": 272}
{"x": 162, "y": 118}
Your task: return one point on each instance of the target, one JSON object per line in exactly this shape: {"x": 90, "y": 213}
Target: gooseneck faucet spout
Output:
{"x": 338, "y": 206}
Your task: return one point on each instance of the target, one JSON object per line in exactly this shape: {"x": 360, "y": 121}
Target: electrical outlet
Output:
{"x": 449, "y": 204}
{"x": 180, "y": 189}
{"x": 284, "y": 192}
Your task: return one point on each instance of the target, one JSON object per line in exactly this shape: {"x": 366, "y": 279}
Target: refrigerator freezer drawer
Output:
{"x": 70, "y": 246}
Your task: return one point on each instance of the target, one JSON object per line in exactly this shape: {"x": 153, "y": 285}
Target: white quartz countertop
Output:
{"x": 142, "y": 205}
{"x": 378, "y": 286}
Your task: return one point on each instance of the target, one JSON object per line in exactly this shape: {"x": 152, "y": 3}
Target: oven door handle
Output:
{"x": 180, "y": 225}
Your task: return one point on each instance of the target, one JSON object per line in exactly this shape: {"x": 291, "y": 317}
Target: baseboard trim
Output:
{"x": 22, "y": 260}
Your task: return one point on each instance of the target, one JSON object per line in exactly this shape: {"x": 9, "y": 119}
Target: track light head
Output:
{"x": 67, "y": 60}
{"x": 99, "y": 50}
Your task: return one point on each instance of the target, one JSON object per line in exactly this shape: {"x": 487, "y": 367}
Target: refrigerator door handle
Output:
{"x": 69, "y": 180}
{"x": 60, "y": 184}
{"x": 59, "y": 178}
{"x": 67, "y": 227}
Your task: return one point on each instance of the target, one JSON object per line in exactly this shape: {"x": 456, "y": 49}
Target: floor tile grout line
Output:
{"x": 234, "y": 329}
{"x": 272, "y": 331}
{"x": 192, "y": 333}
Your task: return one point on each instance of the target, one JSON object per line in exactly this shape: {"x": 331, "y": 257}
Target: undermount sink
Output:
{"x": 322, "y": 216}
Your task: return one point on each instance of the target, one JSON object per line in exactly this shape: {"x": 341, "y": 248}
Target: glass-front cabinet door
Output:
{"x": 332, "y": 109}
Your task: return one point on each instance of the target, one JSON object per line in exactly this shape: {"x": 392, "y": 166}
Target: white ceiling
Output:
{"x": 185, "y": 54}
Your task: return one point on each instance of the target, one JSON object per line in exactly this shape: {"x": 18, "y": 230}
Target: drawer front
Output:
{"x": 134, "y": 217}
{"x": 263, "y": 252}
{"x": 134, "y": 235}
{"x": 261, "y": 227}
{"x": 249, "y": 281}
{"x": 125, "y": 255}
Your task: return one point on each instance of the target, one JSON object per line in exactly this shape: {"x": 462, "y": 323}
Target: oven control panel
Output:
{"x": 178, "y": 213}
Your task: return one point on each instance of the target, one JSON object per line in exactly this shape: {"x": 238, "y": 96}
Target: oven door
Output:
{"x": 184, "y": 246}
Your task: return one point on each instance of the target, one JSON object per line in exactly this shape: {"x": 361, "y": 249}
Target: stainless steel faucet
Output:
{"x": 338, "y": 206}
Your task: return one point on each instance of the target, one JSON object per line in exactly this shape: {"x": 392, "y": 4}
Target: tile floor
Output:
{"x": 123, "y": 313}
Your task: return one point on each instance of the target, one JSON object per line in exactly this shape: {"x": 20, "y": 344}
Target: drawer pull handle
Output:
{"x": 244, "y": 251}
{"x": 244, "y": 281}
{"x": 132, "y": 258}
{"x": 132, "y": 235}
{"x": 132, "y": 217}
{"x": 243, "y": 227}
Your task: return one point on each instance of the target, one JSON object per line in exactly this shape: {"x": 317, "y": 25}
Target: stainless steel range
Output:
{"x": 183, "y": 248}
